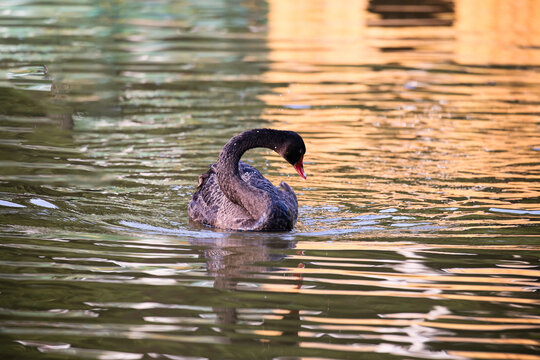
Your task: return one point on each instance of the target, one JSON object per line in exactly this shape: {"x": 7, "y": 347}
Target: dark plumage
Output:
{"x": 235, "y": 196}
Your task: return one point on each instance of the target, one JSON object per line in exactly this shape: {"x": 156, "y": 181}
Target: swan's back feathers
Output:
{"x": 210, "y": 206}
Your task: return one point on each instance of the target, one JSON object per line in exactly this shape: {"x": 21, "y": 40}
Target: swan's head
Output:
{"x": 293, "y": 149}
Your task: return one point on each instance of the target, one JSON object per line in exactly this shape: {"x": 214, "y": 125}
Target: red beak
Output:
{"x": 299, "y": 167}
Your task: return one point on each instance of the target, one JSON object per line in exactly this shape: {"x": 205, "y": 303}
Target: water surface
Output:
{"x": 418, "y": 233}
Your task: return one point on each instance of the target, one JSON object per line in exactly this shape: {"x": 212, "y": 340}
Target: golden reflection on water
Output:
{"x": 497, "y": 32}
{"x": 421, "y": 125}
{"x": 485, "y": 32}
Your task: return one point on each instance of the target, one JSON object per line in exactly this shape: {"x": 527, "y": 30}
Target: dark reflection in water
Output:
{"x": 234, "y": 262}
{"x": 418, "y": 227}
{"x": 411, "y": 12}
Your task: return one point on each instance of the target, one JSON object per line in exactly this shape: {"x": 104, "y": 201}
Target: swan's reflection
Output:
{"x": 240, "y": 258}
{"x": 236, "y": 256}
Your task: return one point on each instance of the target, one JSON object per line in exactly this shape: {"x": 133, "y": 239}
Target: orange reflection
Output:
{"x": 306, "y": 31}
{"x": 414, "y": 285}
{"x": 404, "y": 117}
{"x": 528, "y": 342}
{"x": 493, "y": 356}
{"x": 284, "y": 288}
{"x": 342, "y": 32}
{"x": 493, "y": 271}
{"x": 392, "y": 105}
{"x": 497, "y": 32}
{"x": 326, "y": 346}
{"x": 392, "y": 246}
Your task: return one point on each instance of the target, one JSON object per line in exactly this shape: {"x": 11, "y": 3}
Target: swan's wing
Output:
{"x": 286, "y": 203}
{"x": 199, "y": 208}
{"x": 211, "y": 207}
{"x": 289, "y": 198}
{"x": 253, "y": 177}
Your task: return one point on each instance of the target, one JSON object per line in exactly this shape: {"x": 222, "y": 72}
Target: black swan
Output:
{"x": 233, "y": 195}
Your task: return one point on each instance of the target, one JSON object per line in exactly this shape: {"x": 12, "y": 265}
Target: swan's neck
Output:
{"x": 238, "y": 145}
{"x": 254, "y": 200}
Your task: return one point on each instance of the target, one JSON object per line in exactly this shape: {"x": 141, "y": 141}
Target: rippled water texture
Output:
{"x": 418, "y": 233}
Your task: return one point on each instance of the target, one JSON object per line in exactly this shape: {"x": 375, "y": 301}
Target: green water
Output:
{"x": 418, "y": 233}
